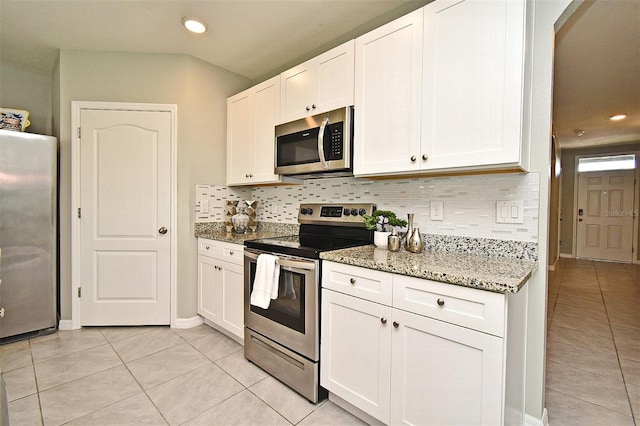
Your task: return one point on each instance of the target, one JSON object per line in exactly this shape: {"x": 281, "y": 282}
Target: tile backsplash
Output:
{"x": 469, "y": 201}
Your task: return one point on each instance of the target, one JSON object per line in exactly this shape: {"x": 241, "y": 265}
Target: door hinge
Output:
{"x": 79, "y": 212}
{"x": 79, "y": 291}
{"x": 79, "y": 132}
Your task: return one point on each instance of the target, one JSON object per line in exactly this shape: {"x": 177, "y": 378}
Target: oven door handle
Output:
{"x": 286, "y": 263}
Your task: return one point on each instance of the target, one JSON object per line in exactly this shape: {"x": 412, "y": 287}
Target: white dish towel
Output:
{"x": 265, "y": 284}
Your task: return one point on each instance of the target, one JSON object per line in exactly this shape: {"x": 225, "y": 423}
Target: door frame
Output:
{"x": 636, "y": 203}
{"x": 76, "y": 108}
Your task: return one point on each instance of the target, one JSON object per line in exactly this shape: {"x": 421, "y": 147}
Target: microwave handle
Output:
{"x": 321, "y": 142}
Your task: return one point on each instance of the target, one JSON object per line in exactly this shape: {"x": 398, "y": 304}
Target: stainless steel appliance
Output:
{"x": 315, "y": 146}
{"x": 284, "y": 339}
{"x": 28, "y": 212}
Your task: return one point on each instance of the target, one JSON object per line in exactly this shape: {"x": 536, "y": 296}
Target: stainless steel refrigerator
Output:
{"x": 28, "y": 236}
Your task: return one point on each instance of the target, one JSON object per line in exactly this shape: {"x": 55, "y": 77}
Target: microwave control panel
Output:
{"x": 336, "y": 138}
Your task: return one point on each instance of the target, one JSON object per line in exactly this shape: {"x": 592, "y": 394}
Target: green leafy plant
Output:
{"x": 380, "y": 219}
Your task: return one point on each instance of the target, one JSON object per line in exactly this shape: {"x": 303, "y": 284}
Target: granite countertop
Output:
{"x": 470, "y": 270}
{"x": 217, "y": 231}
{"x": 232, "y": 237}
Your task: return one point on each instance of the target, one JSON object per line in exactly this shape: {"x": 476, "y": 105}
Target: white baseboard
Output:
{"x": 188, "y": 322}
{"x": 532, "y": 421}
{"x": 567, "y": 255}
{"x": 65, "y": 325}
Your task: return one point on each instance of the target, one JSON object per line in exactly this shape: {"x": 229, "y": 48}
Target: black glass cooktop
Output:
{"x": 312, "y": 241}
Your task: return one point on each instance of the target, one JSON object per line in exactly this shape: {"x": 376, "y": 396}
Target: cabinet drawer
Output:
{"x": 476, "y": 309}
{"x": 360, "y": 282}
{"x": 224, "y": 251}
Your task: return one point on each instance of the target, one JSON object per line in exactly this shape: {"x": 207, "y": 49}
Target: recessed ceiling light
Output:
{"x": 194, "y": 25}
{"x": 617, "y": 117}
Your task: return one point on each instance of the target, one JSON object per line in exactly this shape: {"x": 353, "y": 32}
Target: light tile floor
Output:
{"x": 198, "y": 376}
{"x": 149, "y": 376}
{"x": 593, "y": 344}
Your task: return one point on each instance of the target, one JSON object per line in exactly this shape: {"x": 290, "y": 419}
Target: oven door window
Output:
{"x": 289, "y": 308}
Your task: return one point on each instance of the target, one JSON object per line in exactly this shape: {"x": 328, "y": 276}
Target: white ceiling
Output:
{"x": 597, "y": 65}
{"x": 597, "y": 74}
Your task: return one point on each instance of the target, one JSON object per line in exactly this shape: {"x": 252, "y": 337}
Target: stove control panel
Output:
{"x": 346, "y": 214}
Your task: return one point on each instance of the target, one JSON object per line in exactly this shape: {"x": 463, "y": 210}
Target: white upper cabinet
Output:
{"x": 388, "y": 95}
{"x": 473, "y": 72}
{"x": 251, "y": 119}
{"x": 321, "y": 84}
{"x": 441, "y": 89}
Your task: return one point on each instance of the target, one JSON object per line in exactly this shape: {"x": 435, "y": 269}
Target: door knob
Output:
{"x": 162, "y": 230}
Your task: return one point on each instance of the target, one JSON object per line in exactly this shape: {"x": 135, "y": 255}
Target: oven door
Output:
{"x": 292, "y": 319}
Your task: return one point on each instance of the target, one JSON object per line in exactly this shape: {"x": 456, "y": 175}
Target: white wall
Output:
{"x": 542, "y": 17}
{"x": 28, "y": 88}
{"x": 199, "y": 90}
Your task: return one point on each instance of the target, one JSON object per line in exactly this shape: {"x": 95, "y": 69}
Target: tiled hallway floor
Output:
{"x": 593, "y": 344}
{"x": 150, "y": 376}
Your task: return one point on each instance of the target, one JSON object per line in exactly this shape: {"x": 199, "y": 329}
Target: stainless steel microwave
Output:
{"x": 319, "y": 145}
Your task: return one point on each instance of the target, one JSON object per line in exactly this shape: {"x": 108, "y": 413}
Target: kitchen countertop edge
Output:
{"x": 467, "y": 270}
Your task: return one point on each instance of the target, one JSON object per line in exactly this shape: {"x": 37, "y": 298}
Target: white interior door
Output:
{"x": 125, "y": 199}
{"x": 605, "y": 215}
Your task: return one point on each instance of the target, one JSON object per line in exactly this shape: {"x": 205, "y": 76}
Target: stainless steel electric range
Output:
{"x": 284, "y": 339}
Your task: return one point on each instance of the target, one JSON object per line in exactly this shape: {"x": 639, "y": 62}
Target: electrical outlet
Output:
{"x": 437, "y": 210}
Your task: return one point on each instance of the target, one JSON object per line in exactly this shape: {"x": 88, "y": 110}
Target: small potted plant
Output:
{"x": 378, "y": 222}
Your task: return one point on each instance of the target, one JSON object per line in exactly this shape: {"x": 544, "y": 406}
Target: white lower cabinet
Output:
{"x": 402, "y": 367}
{"x": 221, "y": 285}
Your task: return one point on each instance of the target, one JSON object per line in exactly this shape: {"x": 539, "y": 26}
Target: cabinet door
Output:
{"x": 296, "y": 88}
{"x": 335, "y": 79}
{"x": 231, "y": 293}
{"x": 388, "y": 95}
{"x": 443, "y": 374}
{"x": 355, "y": 352}
{"x": 209, "y": 303}
{"x": 266, "y": 114}
{"x": 240, "y": 137}
{"x": 473, "y": 82}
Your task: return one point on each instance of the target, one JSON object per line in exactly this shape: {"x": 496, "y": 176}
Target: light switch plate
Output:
{"x": 510, "y": 212}
{"x": 204, "y": 206}
{"x": 437, "y": 212}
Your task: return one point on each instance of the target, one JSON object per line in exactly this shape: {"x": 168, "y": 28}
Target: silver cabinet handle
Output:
{"x": 231, "y": 253}
{"x": 440, "y": 302}
{"x": 413, "y": 158}
{"x": 425, "y": 157}
{"x": 313, "y": 106}
{"x": 396, "y": 324}
{"x": 383, "y": 320}
{"x": 162, "y": 230}
{"x": 308, "y": 108}
{"x": 352, "y": 281}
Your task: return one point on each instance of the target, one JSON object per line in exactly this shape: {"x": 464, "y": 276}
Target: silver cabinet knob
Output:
{"x": 313, "y": 106}
{"x": 396, "y": 324}
{"x": 162, "y": 230}
{"x": 352, "y": 281}
{"x": 231, "y": 253}
{"x": 440, "y": 302}
{"x": 206, "y": 248}
{"x": 308, "y": 108}
{"x": 413, "y": 158}
{"x": 425, "y": 157}
{"x": 383, "y": 320}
